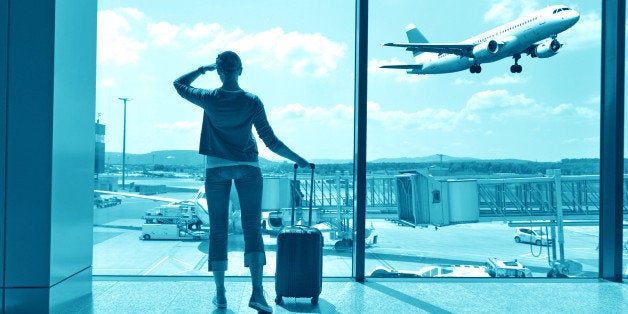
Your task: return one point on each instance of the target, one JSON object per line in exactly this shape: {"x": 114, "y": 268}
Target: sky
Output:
{"x": 298, "y": 57}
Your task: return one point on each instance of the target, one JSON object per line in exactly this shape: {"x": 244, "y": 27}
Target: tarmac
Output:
{"x": 118, "y": 250}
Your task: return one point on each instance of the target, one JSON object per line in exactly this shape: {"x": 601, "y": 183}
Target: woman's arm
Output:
{"x": 287, "y": 153}
{"x": 265, "y": 132}
{"x": 184, "y": 87}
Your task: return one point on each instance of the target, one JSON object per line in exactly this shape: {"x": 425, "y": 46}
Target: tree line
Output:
{"x": 582, "y": 166}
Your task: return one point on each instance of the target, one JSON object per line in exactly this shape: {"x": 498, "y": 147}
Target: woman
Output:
{"x": 231, "y": 150}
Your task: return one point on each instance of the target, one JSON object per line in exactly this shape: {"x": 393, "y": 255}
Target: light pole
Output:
{"x": 441, "y": 159}
{"x": 124, "y": 140}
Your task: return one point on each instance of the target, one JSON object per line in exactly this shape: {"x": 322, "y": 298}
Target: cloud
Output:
{"x": 493, "y": 105}
{"x": 586, "y": 140}
{"x": 503, "y": 11}
{"x": 570, "y": 110}
{"x": 506, "y": 79}
{"x": 202, "y": 30}
{"x": 590, "y": 114}
{"x": 561, "y": 109}
{"x": 134, "y": 13}
{"x": 463, "y": 81}
{"x": 300, "y": 125}
{"x": 492, "y": 99}
{"x": 424, "y": 119}
{"x": 500, "y": 105}
{"x": 305, "y": 54}
{"x": 114, "y": 42}
{"x": 209, "y": 39}
{"x": 106, "y": 82}
{"x": 163, "y": 33}
{"x": 594, "y": 100}
{"x": 586, "y": 33}
{"x": 410, "y": 78}
{"x": 297, "y": 113}
{"x": 341, "y": 116}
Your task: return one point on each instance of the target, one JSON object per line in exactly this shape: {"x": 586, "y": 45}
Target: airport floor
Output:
{"x": 450, "y": 295}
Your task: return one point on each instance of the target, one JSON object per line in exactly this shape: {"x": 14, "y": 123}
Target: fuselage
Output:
{"x": 513, "y": 38}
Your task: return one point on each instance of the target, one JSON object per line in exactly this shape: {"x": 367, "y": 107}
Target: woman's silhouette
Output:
{"x": 232, "y": 156}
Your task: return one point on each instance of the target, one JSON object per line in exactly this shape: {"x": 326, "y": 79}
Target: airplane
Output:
{"x": 534, "y": 34}
{"x": 200, "y": 205}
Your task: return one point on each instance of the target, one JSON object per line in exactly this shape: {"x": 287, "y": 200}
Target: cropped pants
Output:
{"x": 248, "y": 183}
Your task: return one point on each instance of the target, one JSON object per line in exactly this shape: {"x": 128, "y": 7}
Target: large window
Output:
{"x": 297, "y": 57}
{"x": 495, "y": 173}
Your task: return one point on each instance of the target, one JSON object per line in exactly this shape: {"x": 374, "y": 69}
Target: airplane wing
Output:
{"x": 403, "y": 66}
{"x": 463, "y": 50}
{"x": 154, "y": 198}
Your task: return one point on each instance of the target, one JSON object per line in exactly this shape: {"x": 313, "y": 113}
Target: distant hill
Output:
{"x": 426, "y": 159}
{"x": 455, "y": 165}
{"x": 188, "y": 158}
{"x": 167, "y": 158}
{"x": 161, "y": 157}
{"x": 193, "y": 158}
{"x": 331, "y": 161}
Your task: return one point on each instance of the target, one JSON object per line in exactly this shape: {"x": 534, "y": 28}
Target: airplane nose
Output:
{"x": 570, "y": 17}
{"x": 574, "y": 16}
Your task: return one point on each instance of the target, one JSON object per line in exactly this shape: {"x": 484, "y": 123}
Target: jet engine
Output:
{"x": 546, "y": 49}
{"x": 485, "y": 50}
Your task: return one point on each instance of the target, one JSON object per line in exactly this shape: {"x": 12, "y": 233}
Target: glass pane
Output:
{"x": 302, "y": 70}
{"x": 484, "y": 151}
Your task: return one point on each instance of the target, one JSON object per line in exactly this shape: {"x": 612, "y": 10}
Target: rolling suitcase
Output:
{"x": 299, "y": 272}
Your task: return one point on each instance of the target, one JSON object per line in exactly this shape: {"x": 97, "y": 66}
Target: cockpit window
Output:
{"x": 560, "y": 10}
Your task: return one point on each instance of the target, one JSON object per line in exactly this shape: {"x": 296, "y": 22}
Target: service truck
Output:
{"x": 174, "y": 221}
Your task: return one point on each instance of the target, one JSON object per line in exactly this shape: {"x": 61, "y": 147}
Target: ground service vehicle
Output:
{"x": 174, "y": 221}
{"x": 500, "y": 268}
{"x": 101, "y": 202}
{"x": 170, "y": 232}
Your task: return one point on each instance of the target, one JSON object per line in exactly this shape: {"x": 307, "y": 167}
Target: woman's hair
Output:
{"x": 228, "y": 62}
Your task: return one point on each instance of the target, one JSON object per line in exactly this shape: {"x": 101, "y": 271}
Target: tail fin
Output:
{"x": 415, "y": 37}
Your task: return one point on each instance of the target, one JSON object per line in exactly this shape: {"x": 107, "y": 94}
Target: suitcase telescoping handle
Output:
{"x": 297, "y": 194}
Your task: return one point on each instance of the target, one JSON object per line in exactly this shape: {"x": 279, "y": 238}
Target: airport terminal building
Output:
{"x": 53, "y": 250}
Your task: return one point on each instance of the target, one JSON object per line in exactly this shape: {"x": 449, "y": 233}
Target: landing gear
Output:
{"x": 516, "y": 68}
{"x": 476, "y": 68}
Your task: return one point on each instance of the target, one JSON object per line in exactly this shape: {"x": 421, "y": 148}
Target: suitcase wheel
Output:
{"x": 278, "y": 300}
{"x": 314, "y": 300}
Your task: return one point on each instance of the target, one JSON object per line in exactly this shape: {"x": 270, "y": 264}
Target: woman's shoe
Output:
{"x": 220, "y": 302}
{"x": 258, "y": 302}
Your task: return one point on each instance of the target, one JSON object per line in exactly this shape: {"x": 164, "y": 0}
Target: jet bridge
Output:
{"x": 428, "y": 200}
{"x": 536, "y": 196}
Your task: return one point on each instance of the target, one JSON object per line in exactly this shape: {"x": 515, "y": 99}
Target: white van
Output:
{"x": 534, "y": 236}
